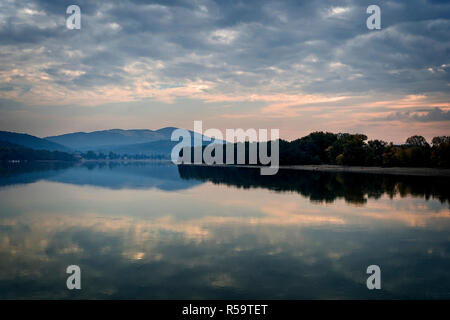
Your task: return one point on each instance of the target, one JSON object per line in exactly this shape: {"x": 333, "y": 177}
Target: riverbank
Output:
{"x": 404, "y": 171}
{"x": 375, "y": 170}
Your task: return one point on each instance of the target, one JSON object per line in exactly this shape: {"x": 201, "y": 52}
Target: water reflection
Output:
{"x": 325, "y": 186}
{"x": 213, "y": 239}
{"x": 113, "y": 175}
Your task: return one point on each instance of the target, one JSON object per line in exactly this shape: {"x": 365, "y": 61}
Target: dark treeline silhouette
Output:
{"x": 353, "y": 150}
{"x": 10, "y": 152}
{"x": 324, "y": 186}
{"x": 91, "y": 155}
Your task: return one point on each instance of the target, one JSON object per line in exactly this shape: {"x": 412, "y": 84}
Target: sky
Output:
{"x": 296, "y": 66}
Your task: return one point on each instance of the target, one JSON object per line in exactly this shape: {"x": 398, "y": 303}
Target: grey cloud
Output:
{"x": 289, "y": 44}
{"x": 420, "y": 115}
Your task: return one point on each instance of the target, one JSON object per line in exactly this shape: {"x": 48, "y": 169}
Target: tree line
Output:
{"x": 354, "y": 150}
{"x": 14, "y": 152}
{"x": 315, "y": 148}
{"x": 92, "y": 155}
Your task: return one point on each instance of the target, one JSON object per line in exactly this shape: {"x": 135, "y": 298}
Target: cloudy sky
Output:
{"x": 299, "y": 66}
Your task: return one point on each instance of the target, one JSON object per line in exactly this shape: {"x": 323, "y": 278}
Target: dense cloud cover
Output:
{"x": 249, "y": 62}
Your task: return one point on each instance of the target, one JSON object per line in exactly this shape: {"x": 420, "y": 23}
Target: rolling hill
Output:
{"x": 129, "y": 142}
{"x": 32, "y": 142}
{"x": 106, "y": 139}
{"x": 144, "y": 142}
{"x": 10, "y": 151}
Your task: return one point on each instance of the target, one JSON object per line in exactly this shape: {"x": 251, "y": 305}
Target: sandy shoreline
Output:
{"x": 374, "y": 170}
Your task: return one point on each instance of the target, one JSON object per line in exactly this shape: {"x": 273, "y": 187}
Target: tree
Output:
{"x": 441, "y": 139}
{"x": 417, "y": 141}
{"x": 375, "y": 151}
{"x": 440, "y": 156}
{"x": 351, "y": 147}
{"x": 90, "y": 155}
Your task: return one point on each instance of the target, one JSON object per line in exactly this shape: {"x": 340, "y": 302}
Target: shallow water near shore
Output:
{"x": 158, "y": 231}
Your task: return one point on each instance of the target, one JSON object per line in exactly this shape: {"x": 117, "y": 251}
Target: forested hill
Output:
{"x": 32, "y": 142}
{"x": 10, "y": 151}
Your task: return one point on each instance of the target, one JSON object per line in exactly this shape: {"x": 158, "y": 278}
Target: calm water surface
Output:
{"x": 157, "y": 231}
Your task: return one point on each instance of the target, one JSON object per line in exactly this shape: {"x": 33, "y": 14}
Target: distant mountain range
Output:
{"x": 142, "y": 141}
{"x": 106, "y": 139}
